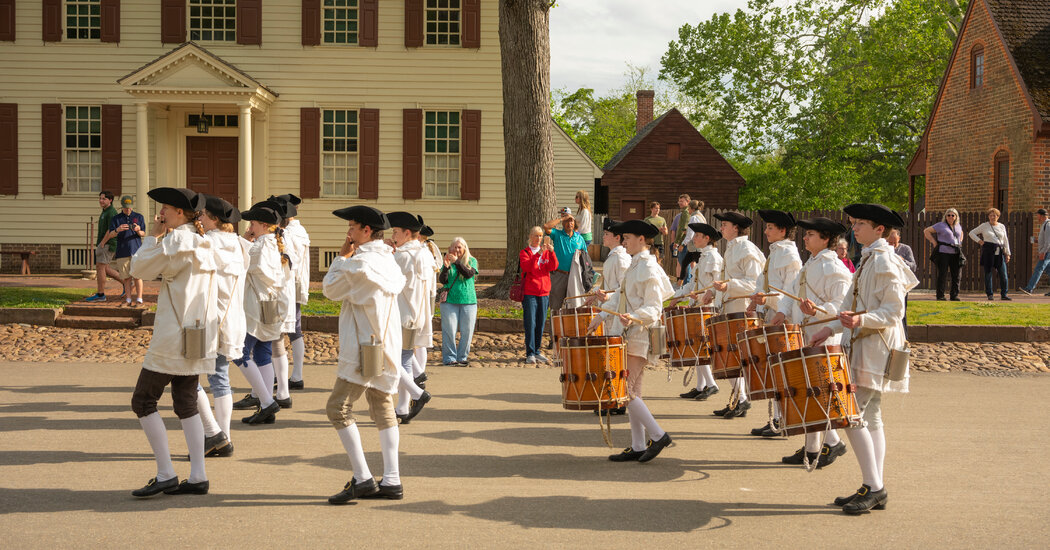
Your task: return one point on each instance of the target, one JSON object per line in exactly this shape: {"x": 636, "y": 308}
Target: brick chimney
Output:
{"x": 645, "y": 109}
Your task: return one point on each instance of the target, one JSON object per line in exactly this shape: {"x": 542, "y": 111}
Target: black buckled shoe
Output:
{"x": 263, "y": 416}
{"x": 615, "y": 411}
{"x": 187, "y": 488}
{"x": 691, "y": 394}
{"x": 247, "y": 403}
{"x": 655, "y": 447}
{"x": 842, "y": 501}
{"x": 222, "y": 451}
{"x": 214, "y": 443}
{"x": 707, "y": 392}
{"x": 796, "y": 458}
{"x": 417, "y": 407}
{"x": 295, "y": 384}
{"x": 389, "y": 492}
{"x": 354, "y": 489}
{"x": 758, "y": 431}
{"x": 154, "y": 487}
{"x": 401, "y": 418}
{"x": 627, "y": 455}
{"x": 772, "y": 430}
{"x": 739, "y": 412}
{"x": 284, "y": 403}
{"x": 421, "y": 381}
{"x": 828, "y": 454}
{"x": 723, "y": 411}
{"x": 866, "y": 500}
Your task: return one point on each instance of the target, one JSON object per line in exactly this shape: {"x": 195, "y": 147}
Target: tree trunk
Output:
{"x": 524, "y": 36}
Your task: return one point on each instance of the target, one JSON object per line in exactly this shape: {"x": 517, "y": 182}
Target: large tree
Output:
{"x": 524, "y": 37}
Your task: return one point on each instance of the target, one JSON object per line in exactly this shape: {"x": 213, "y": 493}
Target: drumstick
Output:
{"x": 821, "y": 322}
{"x": 797, "y": 299}
{"x": 589, "y": 294}
{"x": 751, "y": 296}
{"x": 617, "y": 313}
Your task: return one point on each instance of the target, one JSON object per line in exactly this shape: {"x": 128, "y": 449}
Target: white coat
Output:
{"x": 882, "y": 279}
{"x": 827, "y": 280}
{"x": 644, "y": 289}
{"x": 616, "y": 264}
{"x": 367, "y": 284}
{"x": 707, "y": 270}
{"x": 743, "y": 264}
{"x": 265, "y": 277}
{"x": 186, "y": 261}
{"x": 416, "y": 301}
{"x": 231, "y": 254}
{"x": 302, "y": 267}
{"x": 780, "y": 269}
{"x": 289, "y": 290}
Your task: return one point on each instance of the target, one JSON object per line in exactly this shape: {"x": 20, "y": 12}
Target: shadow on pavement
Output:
{"x": 70, "y": 389}
{"x": 61, "y": 406}
{"x": 510, "y": 397}
{"x": 66, "y": 500}
{"x": 23, "y": 458}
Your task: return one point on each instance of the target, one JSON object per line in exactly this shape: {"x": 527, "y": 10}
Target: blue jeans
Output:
{"x": 535, "y": 315}
{"x": 260, "y": 352}
{"x": 989, "y": 284}
{"x": 220, "y": 381}
{"x": 684, "y": 274}
{"x": 1037, "y": 274}
{"x": 455, "y": 317}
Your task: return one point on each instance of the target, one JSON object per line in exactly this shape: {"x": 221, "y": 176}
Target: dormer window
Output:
{"x": 977, "y": 67}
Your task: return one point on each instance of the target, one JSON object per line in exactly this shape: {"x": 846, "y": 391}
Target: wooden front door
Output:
{"x": 632, "y": 209}
{"x": 211, "y": 166}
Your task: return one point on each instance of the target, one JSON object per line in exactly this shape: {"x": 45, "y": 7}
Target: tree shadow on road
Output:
{"x": 24, "y": 458}
{"x": 68, "y": 500}
{"x": 60, "y": 406}
{"x": 522, "y": 398}
{"x": 69, "y": 389}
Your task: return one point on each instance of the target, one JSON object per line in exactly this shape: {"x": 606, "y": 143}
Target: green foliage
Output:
{"x": 30, "y": 297}
{"x": 926, "y": 312}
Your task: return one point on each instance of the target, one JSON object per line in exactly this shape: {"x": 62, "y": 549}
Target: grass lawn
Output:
{"x": 928, "y": 312}
{"x": 319, "y": 305}
{"x": 26, "y": 297}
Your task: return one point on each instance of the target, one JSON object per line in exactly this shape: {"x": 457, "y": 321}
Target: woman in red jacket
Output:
{"x": 537, "y": 262}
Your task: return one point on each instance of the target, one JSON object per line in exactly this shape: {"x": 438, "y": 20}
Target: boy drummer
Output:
{"x": 706, "y": 271}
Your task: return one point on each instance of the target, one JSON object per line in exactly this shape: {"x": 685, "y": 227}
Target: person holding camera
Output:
{"x": 537, "y": 261}
{"x": 566, "y": 242}
{"x": 128, "y": 227}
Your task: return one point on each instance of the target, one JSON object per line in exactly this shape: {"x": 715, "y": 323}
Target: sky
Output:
{"x": 592, "y": 41}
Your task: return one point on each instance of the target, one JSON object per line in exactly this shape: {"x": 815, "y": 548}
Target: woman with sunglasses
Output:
{"x": 947, "y": 236}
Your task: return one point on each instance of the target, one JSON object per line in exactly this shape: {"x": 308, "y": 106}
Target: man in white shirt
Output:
{"x": 1043, "y": 251}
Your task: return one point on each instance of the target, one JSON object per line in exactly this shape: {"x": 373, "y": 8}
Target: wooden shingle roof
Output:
{"x": 1025, "y": 27}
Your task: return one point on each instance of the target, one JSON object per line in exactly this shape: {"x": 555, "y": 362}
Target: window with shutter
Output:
{"x": 172, "y": 21}
{"x": 83, "y": 148}
{"x": 8, "y": 148}
{"x": 441, "y": 155}
{"x": 442, "y": 22}
{"x": 213, "y": 20}
{"x": 309, "y": 152}
{"x": 339, "y": 153}
{"x": 83, "y": 19}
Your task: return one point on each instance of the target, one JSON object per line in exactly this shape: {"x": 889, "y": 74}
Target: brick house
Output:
{"x": 665, "y": 158}
{"x": 987, "y": 142}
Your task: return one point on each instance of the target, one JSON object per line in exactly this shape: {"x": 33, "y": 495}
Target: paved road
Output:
{"x": 495, "y": 461}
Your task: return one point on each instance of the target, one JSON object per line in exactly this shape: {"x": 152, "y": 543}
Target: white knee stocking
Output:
{"x": 637, "y": 408}
{"x": 637, "y": 431}
{"x": 813, "y": 442}
{"x": 406, "y": 382}
{"x": 701, "y": 382}
{"x": 298, "y": 354}
{"x": 878, "y": 442}
{"x": 254, "y": 376}
{"x": 860, "y": 440}
{"x": 223, "y": 412}
{"x": 420, "y": 365}
{"x": 265, "y": 393}
{"x": 351, "y": 439}
{"x": 709, "y": 377}
{"x": 157, "y": 436}
{"x": 280, "y": 367}
{"x": 194, "y": 432}
{"x": 402, "y": 400}
{"x": 742, "y": 385}
{"x": 388, "y": 442}
{"x": 207, "y": 419}
{"x": 831, "y": 437}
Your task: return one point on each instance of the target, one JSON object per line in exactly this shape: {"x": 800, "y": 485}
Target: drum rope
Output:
{"x": 606, "y": 427}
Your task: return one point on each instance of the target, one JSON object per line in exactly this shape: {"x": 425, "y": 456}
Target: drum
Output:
{"x": 687, "y": 343}
{"x": 814, "y": 390}
{"x": 756, "y": 346}
{"x": 721, "y": 333}
{"x": 592, "y": 374}
{"x": 571, "y": 322}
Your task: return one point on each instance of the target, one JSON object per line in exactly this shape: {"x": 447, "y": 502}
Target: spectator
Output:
{"x": 660, "y": 223}
{"x": 947, "y": 237}
{"x": 537, "y": 261}
{"x": 995, "y": 252}
{"x": 1043, "y": 250}
{"x": 842, "y": 250}
{"x": 679, "y": 226}
{"x": 128, "y": 228}
{"x": 583, "y": 216}
{"x": 460, "y": 308}
{"x": 566, "y": 243}
{"x": 893, "y": 238}
{"x": 104, "y": 247}
{"x": 687, "y": 240}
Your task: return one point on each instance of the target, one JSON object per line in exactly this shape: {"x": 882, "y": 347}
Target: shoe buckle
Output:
{"x": 151, "y": 482}
{"x": 862, "y": 491}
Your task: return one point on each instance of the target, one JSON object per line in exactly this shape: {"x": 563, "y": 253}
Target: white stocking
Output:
{"x": 207, "y": 419}
{"x": 637, "y": 408}
{"x": 388, "y": 442}
{"x": 194, "y": 432}
{"x": 708, "y": 375}
{"x": 266, "y": 395}
{"x": 298, "y": 353}
{"x": 742, "y": 384}
{"x": 860, "y": 440}
{"x": 637, "y": 431}
{"x": 831, "y": 437}
{"x": 254, "y": 376}
{"x": 351, "y": 439}
{"x": 280, "y": 367}
{"x": 406, "y": 382}
{"x": 223, "y": 412}
{"x": 420, "y": 362}
{"x": 402, "y": 400}
{"x": 701, "y": 382}
{"x": 878, "y": 442}
{"x": 157, "y": 435}
{"x": 813, "y": 442}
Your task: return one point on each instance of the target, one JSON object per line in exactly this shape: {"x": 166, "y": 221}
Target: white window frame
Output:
{"x": 83, "y": 155}
{"x": 325, "y": 257}
{"x": 190, "y": 4}
{"x": 437, "y": 8}
{"x": 98, "y": 17}
{"x": 352, "y": 159}
{"x": 443, "y": 170}
{"x": 354, "y": 22}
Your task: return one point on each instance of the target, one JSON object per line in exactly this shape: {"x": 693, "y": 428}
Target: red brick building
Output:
{"x": 665, "y": 158}
{"x": 987, "y": 142}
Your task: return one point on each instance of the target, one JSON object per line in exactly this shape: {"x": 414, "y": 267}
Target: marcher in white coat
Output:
{"x": 183, "y": 345}
{"x": 299, "y": 241}
{"x": 231, "y": 254}
{"x": 821, "y": 283}
{"x": 616, "y": 264}
{"x": 292, "y": 250}
{"x": 367, "y": 280}
{"x": 415, "y": 305}
{"x": 879, "y": 285}
{"x": 428, "y": 331}
{"x": 645, "y": 286}
{"x": 706, "y": 271}
{"x": 740, "y": 271}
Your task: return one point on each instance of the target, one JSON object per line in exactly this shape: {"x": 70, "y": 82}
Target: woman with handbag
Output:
{"x": 946, "y": 236}
{"x": 995, "y": 253}
{"x": 536, "y": 263}
{"x": 459, "y": 305}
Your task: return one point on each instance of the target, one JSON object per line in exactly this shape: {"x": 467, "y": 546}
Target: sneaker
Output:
{"x": 96, "y": 297}
{"x": 530, "y": 360}
{"x": 138, "y": 302}
{"x": 542, "y": 358}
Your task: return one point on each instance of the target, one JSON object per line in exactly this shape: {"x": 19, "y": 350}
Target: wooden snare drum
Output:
{"x": 592, "y": 374}
{"x": 572, "y": 322}
{"x": 687, "y": 343}
{"x": 721, "y": 333}
{"x": 756, "y": 345}
{"x": 814, "y": 389}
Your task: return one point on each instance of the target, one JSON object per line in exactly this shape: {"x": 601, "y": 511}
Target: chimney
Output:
{"x": 645, "y": 109}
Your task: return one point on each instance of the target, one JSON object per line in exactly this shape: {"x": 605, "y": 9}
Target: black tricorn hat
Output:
{"x": 778, "y": 218}
{"x": 288, "y": 198}
{"x": 404, "y": 220}
{"x": 877, "y": 213}
{"x": 608, "y": 224}
{"x": 823, "y": 225}
{"x": 635, "y": 227}
{"x": 262, "y": 213}
{"x": 226, "y": 212}
{"x": 364, "y": 215}
{"x": 179, "y": 197}
{"x": 706, "y": 230}
{"x": 735, "y": 217}
{"x": 287, "y": 203}
{"x": 426, "y": 231}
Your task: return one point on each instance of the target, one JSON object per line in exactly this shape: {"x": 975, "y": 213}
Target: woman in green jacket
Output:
{"x": 460, "y": 308}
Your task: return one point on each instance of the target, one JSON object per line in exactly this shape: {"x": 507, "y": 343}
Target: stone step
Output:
{"x": 81, "y": 321}
{"x": 102, "y": 310}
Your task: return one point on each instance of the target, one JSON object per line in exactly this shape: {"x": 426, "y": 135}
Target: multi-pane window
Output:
{"x": 214, "y": 121}
{"x": 441, "y": 154}
{"x": 339, "y": 20}
{"x": 83, "y": 19}
{"x": 83, "y": 149}
{"x": 339, "y": 153}
{"x": 214, "y": 20}
{"x": 443, "y": 22}
{"x": 977, "y": 67}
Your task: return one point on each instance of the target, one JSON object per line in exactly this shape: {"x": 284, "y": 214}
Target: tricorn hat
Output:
{"x": 364, "y": 215}
{"x": 706, "y": 229}
{"x": 735, "y": 217}
{"x": 635, "y": 227}
{"x": 179, "y": 197}
{"x": 404, "y": 220}
{"x": 877, "y": 213}
{"x": 823, "y": 225}
{"x": 778, "y": 218}
{"x": 226, "y": 212}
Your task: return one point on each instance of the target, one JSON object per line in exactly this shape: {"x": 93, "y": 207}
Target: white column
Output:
{"x": 244, "y": 160}
{"x": 141, "y": 157}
